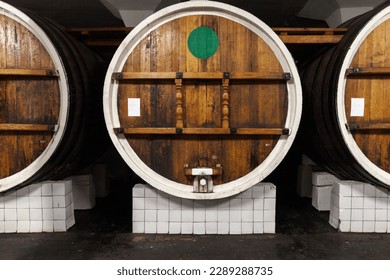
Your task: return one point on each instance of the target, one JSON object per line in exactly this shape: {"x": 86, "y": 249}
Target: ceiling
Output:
{"x": 93, "y": 13}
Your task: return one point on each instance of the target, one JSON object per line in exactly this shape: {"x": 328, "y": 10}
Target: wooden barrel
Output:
{"x": 50, "y": 100}
{"x": 346, "y": 99}
{"x": 202, "y": 100}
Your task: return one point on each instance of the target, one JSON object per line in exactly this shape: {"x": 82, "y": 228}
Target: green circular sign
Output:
{"x": 203, "y": 42}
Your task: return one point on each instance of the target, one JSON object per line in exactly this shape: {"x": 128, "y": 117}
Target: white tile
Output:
{"x": 187, "y": 204}
{"x": 163, "y": 227}
{"x": 247, "y": 216}
{"x": 247, "y": 228}
{"x": 70, "y": 222}
{"x": 138, "y": 227}
{"x": 235, "y": 228}
{"x": 368, "y": 226}
{"x": 47, "y": 189}
{"x": 150, "y": 227}
{"x": 223, "y": 215}
{"x": 258, "y": 215}
{"x": 235, "y": 204}
{"x": 223, "y": 227}
{"x": 388, "y": 227}
{"x": 356, "y": 226}
{"x": 199, "y": 215}
{"x": 150, "y": 215}
{"x": 36, "y": 226}
{"x": 211, "y": 227}
{"x": 357, "y": 189}
{"x": 344, "y": 189}
{"x": 47, "y": 202}
{"x": 2, "y": 202}
{"x": 138, "y": 203}
{"x": 62, "y": 187}
{"x": 381, "y": 203}
{"x": 345, "y": 202}
{"x": 381, "y": 227}
{"x": 212, "y": 204}
{"x": 369, "y": 202}
{"x": 235, "y": 216}
{"x": 150, "y": 203}
{"x": 269, "y": 204}
{"x": 10, "y": 201}
{"x": 223, "y": 204}
{"x": 258, "y": 191}
{"x": 345, "y": 226}
{"x": 59, "y": 201}
{"x": 58, "y": 213}
{"x": 23, "y": 226}
{"x": 187, "y": 215}
{"x": 187, "y": 228}
{"x": 69, "y": 211}
{"x": 48, "y": 226}
{"x": 247, "y": 193}
{"x": 35, "y": 202}
{"x": 162, "y": 194}
{"x": 175, "y": 215}
{"x": 345, "y": 214}
{"x": 357, "y": 202}
{"x": 2, "y": 226}
{"x": 269, "y": 215}
{"x": 258, "y": 204}
{"x": 369, "y": 214}
{"x": 10, "y": 226}
{"x": 270, "y": 191}
{"x": 334, "y": 222}
{"x": 36, "y": 215}
{"x": 258, "y": 227}
{"x": 139, "y": 191}
{"x": 381, "y": 192}
{"x": 247, "y": 204}
{"x": 369, "y": 190}
{"x": 174, "y": 228}
{"x": 357, "y": 215}
{"x": 10, "y": 214}
{"x": 1, "y": 214}
{"x": 162, "y": 215}
{"x": 23, "y": 192}
{"x": 323, "y": 179}
{"x": 174, "y": 203}
{"x": 199, "y": 204}
{"x": 199, "y": 228}
{"x": 211, "y": 215}
{"x": 35, "y": 190}
{"x": 23, "y": 202}
{"x": 381, "y": 214}
{"x": 23, "y": 214}
{"x": 269, "y": 227}
{"x": 150, "y": 191}
{"x": 48, "y": 214}
{"x": 163, "y": 203}
{"x": 59, "y": 225}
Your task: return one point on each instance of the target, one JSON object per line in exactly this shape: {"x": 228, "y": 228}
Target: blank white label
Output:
{"x": 134, "y": 107}
{"x": 357, "y": 107}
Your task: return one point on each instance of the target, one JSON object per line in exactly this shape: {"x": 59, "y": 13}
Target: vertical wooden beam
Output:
{"x": 179, "y": 100}
{"x": 225, "y": 100}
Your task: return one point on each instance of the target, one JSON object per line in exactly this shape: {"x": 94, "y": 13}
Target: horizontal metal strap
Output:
{"x": 201, "y": 75}
{"x": 360, "y": 71}
{"x": 202, "y": 131}
{"x": 29, "y": 72}
{"x": 367, "y": 127}
{"x": 28, "y": 127}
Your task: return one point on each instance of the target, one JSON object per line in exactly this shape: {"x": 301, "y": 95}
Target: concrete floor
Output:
{"x": 105, "y": 233}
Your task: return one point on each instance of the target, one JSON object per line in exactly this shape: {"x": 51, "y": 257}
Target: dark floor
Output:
{"x": 105, "y": 233}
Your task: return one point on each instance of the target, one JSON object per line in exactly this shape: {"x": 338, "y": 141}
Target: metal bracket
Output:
{"x": 203, "y": 181}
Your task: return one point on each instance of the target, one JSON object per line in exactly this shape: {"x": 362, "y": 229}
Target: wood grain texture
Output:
{"x": 29, "y": 104}
{"x": 257, "y": 100}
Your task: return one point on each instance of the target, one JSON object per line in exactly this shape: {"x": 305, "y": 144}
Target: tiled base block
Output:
{"x": 359, "y": 207}
{"x": 251, "y": 212}
{"x": 322, "y": 188}
{"x": 44, "y": 207}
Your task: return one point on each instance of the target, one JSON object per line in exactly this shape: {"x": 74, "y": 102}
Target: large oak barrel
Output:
{"x": 202, "y": 100}
{"x": 50, "y": 100}
{"x": 346, "y": 101}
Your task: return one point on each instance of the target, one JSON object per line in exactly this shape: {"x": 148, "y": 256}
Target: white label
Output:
{"x": 357, "y": 107}
{"x": 134, "y": 107}
{"x": 202, "y": 171}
